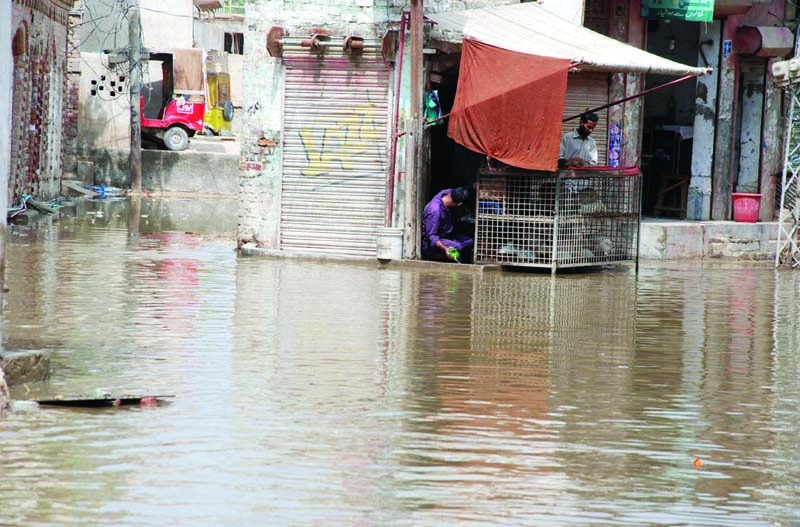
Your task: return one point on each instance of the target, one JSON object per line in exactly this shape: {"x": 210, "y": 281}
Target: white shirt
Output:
{"x": 573, "y": 145}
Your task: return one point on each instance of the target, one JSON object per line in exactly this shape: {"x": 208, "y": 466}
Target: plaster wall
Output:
{"x": 165, "y": 25}
{"x": 750, "y": 129}
{"x": 103, "y": 119}
{"x": 104, "y": 26}
{"x": 210, "y": 33}
{"x": 236, "y": 71}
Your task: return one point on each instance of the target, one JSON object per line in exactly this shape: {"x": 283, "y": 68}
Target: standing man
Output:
{"x": 578, "y": 148}
{"x": 438, "y": 225}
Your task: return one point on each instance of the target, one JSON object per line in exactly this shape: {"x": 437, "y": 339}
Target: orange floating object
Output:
{"x": 697, "y": 462}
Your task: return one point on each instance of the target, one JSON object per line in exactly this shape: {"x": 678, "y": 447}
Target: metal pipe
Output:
{"x": 308, "y": 43}
{"x": 393, "y": 158}
{"x": 626, "y": 99}
{"x": 135, "y": 76}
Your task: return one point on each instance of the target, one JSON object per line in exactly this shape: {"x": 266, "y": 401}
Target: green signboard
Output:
{"x": 690, "y": 10}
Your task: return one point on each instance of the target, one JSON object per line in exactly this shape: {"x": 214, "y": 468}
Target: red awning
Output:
{"x": 509, "y": 105}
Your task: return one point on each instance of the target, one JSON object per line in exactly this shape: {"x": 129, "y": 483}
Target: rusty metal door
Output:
{"x": 586, "y": 91}
{"x": 336, "y": 132}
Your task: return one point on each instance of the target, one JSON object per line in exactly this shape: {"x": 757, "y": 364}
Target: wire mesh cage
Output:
{"x": 558, "y": 219}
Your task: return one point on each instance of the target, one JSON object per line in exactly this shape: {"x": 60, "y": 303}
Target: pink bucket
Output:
{"x": 745, "y": 207}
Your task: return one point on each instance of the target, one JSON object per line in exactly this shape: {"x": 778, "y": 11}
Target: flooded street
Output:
{"x": 312, "y": 393}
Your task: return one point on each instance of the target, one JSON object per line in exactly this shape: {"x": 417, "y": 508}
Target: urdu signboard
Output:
{"x": 689, "y": 10}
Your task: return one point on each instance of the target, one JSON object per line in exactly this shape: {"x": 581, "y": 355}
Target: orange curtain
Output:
{"x": 509, "y": 105}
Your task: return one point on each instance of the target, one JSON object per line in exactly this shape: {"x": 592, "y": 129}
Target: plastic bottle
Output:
{"x": 454, "y": 254}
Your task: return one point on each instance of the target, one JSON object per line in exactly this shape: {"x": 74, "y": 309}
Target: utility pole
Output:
{"x": 135, "y": 75}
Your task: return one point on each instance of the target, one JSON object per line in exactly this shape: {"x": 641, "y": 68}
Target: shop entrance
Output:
{"x": 451, "y": 165}
{"x": 668, "y": 125}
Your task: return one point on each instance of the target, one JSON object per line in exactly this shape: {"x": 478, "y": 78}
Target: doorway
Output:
{"x": 668, "y": 122}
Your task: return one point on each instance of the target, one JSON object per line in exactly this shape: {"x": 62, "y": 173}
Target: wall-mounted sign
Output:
{"x": 690, "y": 10}
{"x": 727, "y": 47}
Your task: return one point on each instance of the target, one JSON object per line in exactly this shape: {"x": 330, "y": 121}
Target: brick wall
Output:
{"x": 38, "y": 99}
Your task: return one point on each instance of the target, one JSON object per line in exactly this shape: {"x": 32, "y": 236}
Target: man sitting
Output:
{"x": 438, "y": 225}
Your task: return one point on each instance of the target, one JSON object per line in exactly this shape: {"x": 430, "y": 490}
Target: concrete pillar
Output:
{"x": 772, "y": 145}
{"x": 700, "y": 188}
{"x": 634, "y": 83}
{"x": 624, "y": 119}
{"x": 726, "y": 137}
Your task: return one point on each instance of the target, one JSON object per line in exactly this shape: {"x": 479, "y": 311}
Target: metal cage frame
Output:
{"x": 556, "y": 220}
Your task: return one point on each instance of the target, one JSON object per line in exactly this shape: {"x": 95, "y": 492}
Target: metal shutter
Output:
{"x": 586, "y": 91}
{"x": 336, "y": 126}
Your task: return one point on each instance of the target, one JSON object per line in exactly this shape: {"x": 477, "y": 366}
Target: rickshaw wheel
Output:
{"x": 176, "y": 138}
{"x": 227, "y": 111}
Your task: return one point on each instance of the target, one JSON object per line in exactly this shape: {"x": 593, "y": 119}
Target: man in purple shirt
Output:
{"x": 438, "y": 224}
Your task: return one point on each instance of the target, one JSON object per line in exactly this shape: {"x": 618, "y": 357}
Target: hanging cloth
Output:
{"x": 509, "y": 105}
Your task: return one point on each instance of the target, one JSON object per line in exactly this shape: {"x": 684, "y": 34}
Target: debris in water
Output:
{"x": 697, "y": 462}
{"x": 78, "y": 401}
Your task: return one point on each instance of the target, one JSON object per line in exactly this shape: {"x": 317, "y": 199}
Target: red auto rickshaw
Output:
{"x": 174, "y": 113}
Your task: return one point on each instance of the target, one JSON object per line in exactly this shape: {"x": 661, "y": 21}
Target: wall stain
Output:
{"x": 704, "y": 112}
{"x": 702, "y": 92}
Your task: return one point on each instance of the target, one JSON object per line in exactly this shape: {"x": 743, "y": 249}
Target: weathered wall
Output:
{"x": 625, "y": 119}
{"x": 103, "y": 118}
{"x": 716, "y": 170}
{"x": 72, "y": 95}
{"x": 6, "y": 76}
{"x": 729, "y": 99}
{"x": 6, "y": 70}
{"x": 191, "y": 171}
{"x": 39, "y": 56}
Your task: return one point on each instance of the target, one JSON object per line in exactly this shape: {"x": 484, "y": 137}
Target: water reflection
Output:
{"x": 313, "y": 393}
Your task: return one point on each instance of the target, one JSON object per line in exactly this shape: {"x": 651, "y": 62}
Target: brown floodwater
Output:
{"x": 313, "y": 393}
